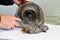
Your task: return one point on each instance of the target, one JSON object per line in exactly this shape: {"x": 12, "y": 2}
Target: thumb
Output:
{"x": 1, "y": 25}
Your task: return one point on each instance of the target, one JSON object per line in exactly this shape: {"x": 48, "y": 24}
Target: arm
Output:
{"x": 6, "y": 2}
{"x": 11, "y": 2}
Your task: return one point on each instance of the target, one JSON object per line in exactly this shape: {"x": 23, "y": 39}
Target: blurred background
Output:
{"x": 51, "y": 10}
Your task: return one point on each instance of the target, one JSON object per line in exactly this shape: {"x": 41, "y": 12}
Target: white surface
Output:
{"x": 52, "y": 34}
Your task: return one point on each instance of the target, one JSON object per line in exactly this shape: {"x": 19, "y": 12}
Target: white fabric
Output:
{"x": 15, "y": 34}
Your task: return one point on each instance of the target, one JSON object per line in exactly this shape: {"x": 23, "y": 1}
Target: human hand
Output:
{"x": 8, "y": 22}
{"x": 20, "y": 2}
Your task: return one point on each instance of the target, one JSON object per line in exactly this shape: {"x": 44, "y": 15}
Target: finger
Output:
{"x": 2, "y": 26}
{"x": 27, "y": 0}
{"x": 16, "y": 2}
{"x": 12, "y": 27}
{"x": 9, "y": 26}
{"x": 16, "y": 24}
{"x": 17, "y": 19}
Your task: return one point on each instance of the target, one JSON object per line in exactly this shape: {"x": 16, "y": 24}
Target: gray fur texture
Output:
{"x": 32, "y": 18}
